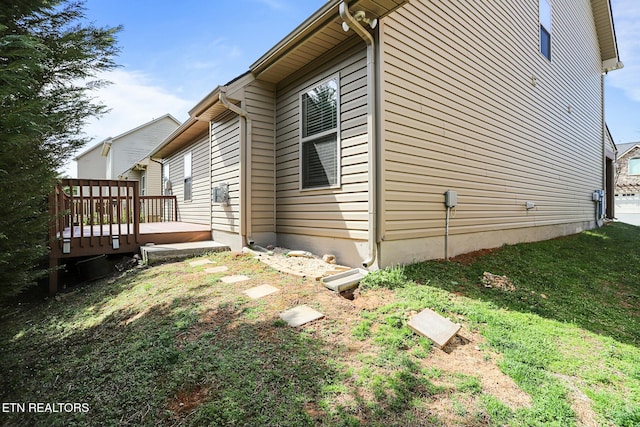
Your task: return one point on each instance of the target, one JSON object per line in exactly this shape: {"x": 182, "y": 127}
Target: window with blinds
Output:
{"x": 319, "y": 149}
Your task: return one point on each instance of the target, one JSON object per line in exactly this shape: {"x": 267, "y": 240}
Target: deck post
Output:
{"x": 53, "y": 275}
{"x": 136, "y": 211}
{"x": 175, "y": 208}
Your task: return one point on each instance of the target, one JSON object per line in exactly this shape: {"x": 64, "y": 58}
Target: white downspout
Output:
{"x": 600, "y": 220}
{"x": 245, "y": 165}
{"x": 371, "y": 126}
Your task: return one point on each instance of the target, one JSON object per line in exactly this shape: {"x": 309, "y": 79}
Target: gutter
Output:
{"x": 245, "y": 163}
{"x": 372, "y": 146}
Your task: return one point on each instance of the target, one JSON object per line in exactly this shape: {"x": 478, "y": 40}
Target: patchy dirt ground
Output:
{"x": 298, "y": 281}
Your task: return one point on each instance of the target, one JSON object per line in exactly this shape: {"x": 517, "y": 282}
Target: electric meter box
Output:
{"x": 451, "y": 199}
{"x": 221, "y": 194}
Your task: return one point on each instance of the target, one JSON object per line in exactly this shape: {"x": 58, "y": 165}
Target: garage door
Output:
{"x": 628, "y": 208}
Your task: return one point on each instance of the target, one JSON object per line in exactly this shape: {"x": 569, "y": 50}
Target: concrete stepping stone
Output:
{"x": 300, "y": 315}
{"x": 201, "y": 262}
{"x": 234, "y": 279}
{"x": 218, "y": 269}
{"x": 260, "y": 291}
{"x": 430, "y": 324}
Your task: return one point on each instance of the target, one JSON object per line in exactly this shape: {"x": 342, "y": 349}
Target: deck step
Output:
{"x": 157, "y": 253}
{"x": 345, "y": 280}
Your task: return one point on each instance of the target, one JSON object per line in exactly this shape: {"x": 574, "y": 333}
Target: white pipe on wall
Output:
{"x": 371, "y": 126}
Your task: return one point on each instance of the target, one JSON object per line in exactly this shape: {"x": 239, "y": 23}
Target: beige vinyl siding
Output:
{"x": 471, "y": 105}
{"x": 610, "y": 146}
{"x": 92, "y": 165}
{"x": 341, "y": 212}
{"x": 260, "y": 105}
{"x": 154, "y": 179}
{"x": 196, "y": 210}
{"x": 225, "y": 168}
{"x": 133, "y": 146}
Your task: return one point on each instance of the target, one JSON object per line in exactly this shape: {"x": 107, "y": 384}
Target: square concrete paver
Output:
{"x": 430, "y": 324}
{"x": 260, "y": 291}
{"x": 218, "y": 269}
{"x": 234, "y": 279}
{"x": 200, "y": 262}
{"x": 300, "y": 315}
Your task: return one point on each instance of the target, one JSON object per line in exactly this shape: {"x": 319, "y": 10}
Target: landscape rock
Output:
{"x": 494, "y": 281}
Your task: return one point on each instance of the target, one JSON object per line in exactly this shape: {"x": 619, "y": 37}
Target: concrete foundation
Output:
{"x": 159, "y": 253}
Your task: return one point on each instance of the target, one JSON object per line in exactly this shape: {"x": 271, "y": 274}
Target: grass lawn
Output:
{"x": 555, "y": 341}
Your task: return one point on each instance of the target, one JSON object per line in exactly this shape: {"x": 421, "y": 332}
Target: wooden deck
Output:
{"x": 124, "y": 229}
{"x": 95, "y": 217}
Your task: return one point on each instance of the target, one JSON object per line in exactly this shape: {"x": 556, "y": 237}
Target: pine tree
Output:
{"x": 49, "y": 61}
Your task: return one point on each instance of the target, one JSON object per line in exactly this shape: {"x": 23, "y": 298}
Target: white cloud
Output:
{"x": 133, "y": 99}
{"x": 626, "y": 15}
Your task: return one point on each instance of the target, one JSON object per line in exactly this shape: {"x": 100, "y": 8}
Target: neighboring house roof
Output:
{"x": 623, "y": 149}
{"x": 107, "y": 141}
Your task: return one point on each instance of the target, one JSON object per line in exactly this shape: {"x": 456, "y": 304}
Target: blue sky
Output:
{"x": 173, "y": 54}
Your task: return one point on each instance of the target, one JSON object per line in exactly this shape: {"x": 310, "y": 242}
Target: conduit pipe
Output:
{"x": 371, "y": 127}
{"x": 244, "y": 166}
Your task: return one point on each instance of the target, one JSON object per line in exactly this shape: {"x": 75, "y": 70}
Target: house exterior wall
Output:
{"x": 197, "y": 209}
{"x": 626, "y": 182}
{"x": 627, "y": 198}
{"x": 225, "y": 169}
{"x": 154, "y": 179}
{"x": 259, "y": 98}
{"x": 325, "y": 220}
{"x": 470, "y": 104}
{"x": 135, "y": 145}
{"x": 92, "y": 165}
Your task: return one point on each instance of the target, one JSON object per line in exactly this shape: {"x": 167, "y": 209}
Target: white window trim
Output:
{"x": 302, "y": 140}
{"x": 629, "y": 167}
{"x": 143, "y": 183}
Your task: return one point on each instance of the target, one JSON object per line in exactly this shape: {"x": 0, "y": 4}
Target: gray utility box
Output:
{"x": 220, "y": 194}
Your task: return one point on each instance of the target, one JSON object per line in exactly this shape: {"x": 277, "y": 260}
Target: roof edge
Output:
{"x": 309, "y": 25}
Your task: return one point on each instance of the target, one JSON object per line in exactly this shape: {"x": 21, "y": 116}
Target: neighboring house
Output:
{"x": 628, "y": 183}
{"x": 338, "y": 145}
{"x": 126, "y": 155}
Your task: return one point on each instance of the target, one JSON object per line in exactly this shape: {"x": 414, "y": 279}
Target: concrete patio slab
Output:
{"x": 430, "y": 324}
{"x": 260, "y": 291}
{"x": 201, "y": 262}
{"x": 218, "y": 269}
{"x": 234, "y": 279}
{"x": 300, "y": 315}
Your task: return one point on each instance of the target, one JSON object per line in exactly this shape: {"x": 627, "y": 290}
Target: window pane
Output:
{"x": 319, "y": 109}
{"x": 319, "y": 162}
{"x": 187, "y": 188}
{"x": 634, "y": 167}
{"x": 545, "y": 43}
